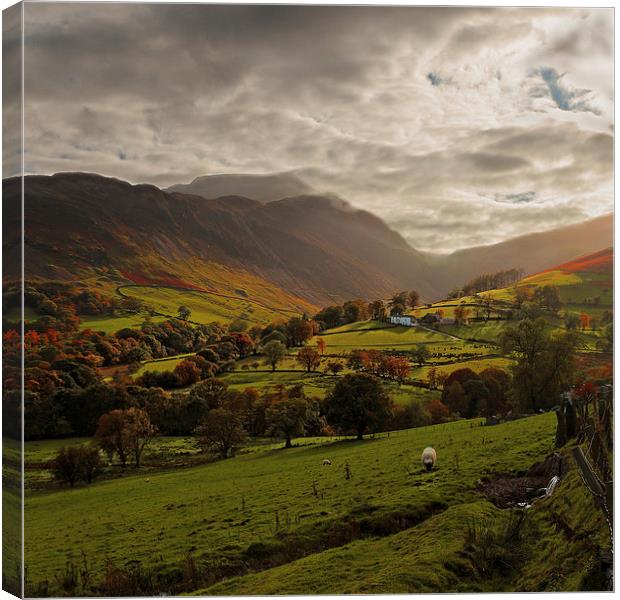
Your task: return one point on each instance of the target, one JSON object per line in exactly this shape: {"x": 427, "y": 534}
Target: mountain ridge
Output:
{"x": 81, "y": 224}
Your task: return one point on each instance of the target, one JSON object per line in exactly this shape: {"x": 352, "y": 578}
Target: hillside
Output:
{"x": 302, "y": 251}
{"x": 533, "y": 252}
{"x": 82, "y": 226}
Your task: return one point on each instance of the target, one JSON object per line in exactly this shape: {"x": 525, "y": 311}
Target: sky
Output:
{"x": 457, "y": 126}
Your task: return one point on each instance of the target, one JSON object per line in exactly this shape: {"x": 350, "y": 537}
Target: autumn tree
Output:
{"x": 334, "y": 367}
{"x": 309, "y": 358}
{"x": 413, "y": 299}
{"x": 140, "y": 432}
{"x": 184, "y": 312}
{"x": 111, "y": 435}
{"x": 461, "y": 314}
{"x": 222, "y": 429}
{"x": 274, "y": 352}
{"x": 584, "y": 321}
{"x": 438, "y": 411}
{"x": 455, "y": 399}
{"x": 299, "y": 331}
{"x": 90, "y": 462}
{"x": 359, "y": 403}
{"x": 126, "y": 433}
{"x": 320, "y": 345}
{"x": 66, "y": 465}
{"x": 377, "y": 309}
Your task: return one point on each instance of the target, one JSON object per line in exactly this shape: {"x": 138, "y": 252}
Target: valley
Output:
{"x": 281, "y": 404}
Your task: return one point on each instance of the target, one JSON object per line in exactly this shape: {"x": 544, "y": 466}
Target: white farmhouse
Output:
{"x": 406, "y": 320}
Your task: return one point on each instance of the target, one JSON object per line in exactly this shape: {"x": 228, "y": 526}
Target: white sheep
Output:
{"x": 429, "y": 458}
{"x": 326, "y": 461}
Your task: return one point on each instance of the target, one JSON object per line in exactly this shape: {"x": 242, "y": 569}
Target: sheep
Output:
{"x": 429, "y": 458}
{"x": 326, "y": 461}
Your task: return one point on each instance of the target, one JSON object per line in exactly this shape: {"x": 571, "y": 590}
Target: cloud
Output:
{"x": 423, "y": 115}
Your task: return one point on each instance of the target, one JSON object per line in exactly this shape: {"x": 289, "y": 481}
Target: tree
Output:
{"x": 571, "y": 321}
{"x": 355, "y": 310}
{"x": 287, "y": 417}
{"x": 334, "y": 367}
{"x": 320, "y": 344}
{"x": 358, "y": 402}
{"x": 66, "y": 465}
{"x": 486, "y": 302}
{"x": 222, "y": 429}
{"x": 438, "y": 411}
{"x": 90, "y": 463}
{"x": 455, "y": 399}
{"x": 548, "y": 297}
{"x": 544, "y": 365}
{"x": 421, "y": 354}
{"x": 413, "y": 299}
{"x": 299, "y": 331}
{"x": 398, "y": 304}
{"x": 431, "y": 378}
{"x": 461, "y": 314}
{"x": 377, "y": 309}
{"x": 584, "y": 320}
{"x": 184, "y": 312}
{"x": 140, "y": 432}
{"x": 125, "y": 432}
{"x": 606, "y": 342}
{"x": 274, "y": 352}
{"x": 188, "y": 372}
{"x": 111, "y": 435}
{"x": 309, "y": 358}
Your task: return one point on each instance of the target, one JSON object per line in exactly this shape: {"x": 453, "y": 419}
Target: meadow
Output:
{"x": 207, "y": 307}
{"x": 217, "y": 512}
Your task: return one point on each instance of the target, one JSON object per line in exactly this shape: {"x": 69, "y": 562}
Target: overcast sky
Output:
{"x": 458, "y": 127}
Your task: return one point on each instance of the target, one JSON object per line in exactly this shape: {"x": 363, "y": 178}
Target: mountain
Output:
{"x": 264, "y": 188}
{"x": 84, "y": 226}
{"x": 308, "y": 249}
{"x": 533, "y": 252}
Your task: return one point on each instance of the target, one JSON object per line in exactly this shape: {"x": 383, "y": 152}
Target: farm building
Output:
{"x": 406, "y": 320}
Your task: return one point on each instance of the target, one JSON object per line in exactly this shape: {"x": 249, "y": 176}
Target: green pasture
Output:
{"x": 205, "y": 307}
{"x": 434, "y": 556}
{"x": 110, "y": 325}
{"x": 216, "y": 511}
{"x": 161, "y": 364}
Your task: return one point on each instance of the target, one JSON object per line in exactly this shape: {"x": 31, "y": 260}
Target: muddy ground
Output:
{"x": 506, "y": 491}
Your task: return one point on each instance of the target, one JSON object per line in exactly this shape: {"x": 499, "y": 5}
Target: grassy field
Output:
{"x": 111, "y": 325}
{"x": 434, "y": 556}
{"x": 207, "y": 307}
{"x": 161, "y": 364}
{"x": 217, "y": 511}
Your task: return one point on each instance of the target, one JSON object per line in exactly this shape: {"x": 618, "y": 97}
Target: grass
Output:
{"x": 161, "y": 364}
{"x": 207, "y": 307}
{"x": 111, "y": 325}
{"x": 218, "y": 510}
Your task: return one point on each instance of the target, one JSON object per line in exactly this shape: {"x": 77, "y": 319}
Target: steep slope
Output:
{"x": 319, "y": 248}
{"x": 534, "y": 252}
{"x": 264, "y": 188}
{"x": 81, "y": 225}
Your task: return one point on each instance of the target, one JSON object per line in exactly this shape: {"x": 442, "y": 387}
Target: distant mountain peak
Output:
{"x": 264, "y": 187}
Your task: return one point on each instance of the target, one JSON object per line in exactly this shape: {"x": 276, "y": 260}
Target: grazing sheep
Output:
{"x": 429, "y": 458}
{"x": 326, "y": 461}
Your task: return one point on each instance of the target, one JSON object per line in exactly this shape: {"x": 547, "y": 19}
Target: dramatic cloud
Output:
{"x": 457, "y": 126}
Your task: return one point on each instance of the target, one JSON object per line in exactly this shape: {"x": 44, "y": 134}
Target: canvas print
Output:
{"x": 307, "y": 299}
